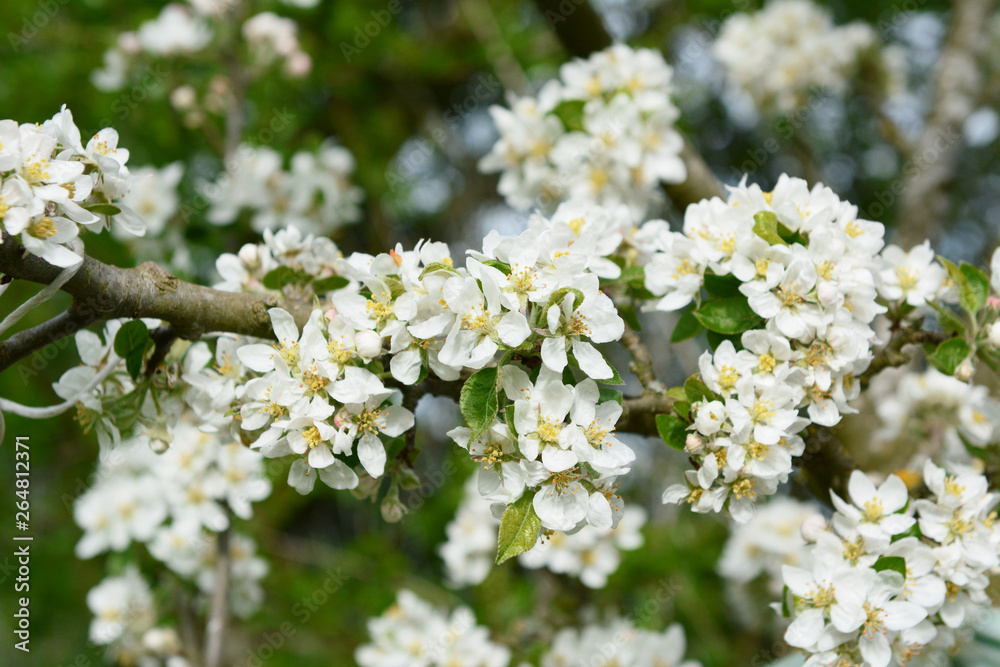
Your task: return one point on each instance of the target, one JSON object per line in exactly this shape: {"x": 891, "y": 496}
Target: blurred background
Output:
{"x": 412, "y": 107}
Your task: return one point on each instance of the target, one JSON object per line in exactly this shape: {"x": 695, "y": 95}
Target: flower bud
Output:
{"x": 965, "y": 370}
{"x": 812, "y": 527}
{"x": 692, "y": 443}
{"x": 994, "y": 334}
{"x": 298, "y": 64}
{"x": 249, "y": 255}
{"x": 392, "y": 509}
{"x": 369, "y": 344}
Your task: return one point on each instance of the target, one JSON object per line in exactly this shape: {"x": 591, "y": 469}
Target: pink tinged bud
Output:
{"x": 993, "y": 302}
{"x": 812, "y": 527}
{"x": 337, "y": 421}
{"x": 369, "y": 344}
{"x": 693, "y": 442}
{"x": 330, "y": 314}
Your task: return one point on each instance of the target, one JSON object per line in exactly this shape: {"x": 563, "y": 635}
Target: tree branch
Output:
{"x": 30, "y": 340}
{"x": 576, "y": 24}
{"x": 101, "y": 291}
{"x": 958, "y": 85}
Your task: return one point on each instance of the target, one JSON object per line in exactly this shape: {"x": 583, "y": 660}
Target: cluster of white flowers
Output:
{"x": 125, "y": 621}
{"x": 273, "y": 38}
{"x": 189, "y": 29}
{"x": 618, "y": 643}
{"x": 770, "y": 540}
{"x": 936, "y": 415}
{"x": 800, "y": 264}
{"x": 782, "y": 53}
{"x": 174, "y": 502}
{"x": 591, "y": 554}
{"x": 323, "y": 392}
{"x": 51, "y": 184}
{"x": 316, "y": 195}
{"x": 414, "y": 633}
{"x": 895, "y": 578}
{"x": 603, "y": 132}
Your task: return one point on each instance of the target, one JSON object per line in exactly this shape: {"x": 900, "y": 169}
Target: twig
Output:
{"x": 163, "y": 338}
{"x": 924, "y": 202}
{"x": 25, "y": 342}
{"x": 219, "y": 609}
{"x": 102, "y": 291}
{"x": 642, "y": 363}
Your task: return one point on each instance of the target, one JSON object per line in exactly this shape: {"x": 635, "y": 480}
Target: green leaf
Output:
{"x": 634, "y": 276}
{"x": 673, "y": 431}
{"x": 728, "y": 315}
{"x": 716, "y": 339}
{"x": 560, "y": 294}
{"x": 131, "y": 343}
{"x": 967, "y": 294}
{"x": 330, "y": 284}
{"x": 478, "y": 401}
{"x": 615, "y": 377}
{"x": 785, "y": 611}
{"x": 949, "y": 355}
{"x": 132, "y": 335}
{"x": 518, "y": 528}
{"x": 765, "y": 225}
{"x": 284, "y": 275}
{"x": 722, "y": 286}
{"x": 949, "y": 321}
{"x": 683, "y": 409}
{"x": 677, "y": 393}
{"x": 912, "y": 531}
{"x": 438, "y": 267}
{"x": 503, "y": 267}
{"x": 695, "y": 389}
{"x": 687, "y": 326}
{"x": 974, "y": 298}
{"x": 570, "y": 113}
{"x": 609, "y": 394}
{"x": 894, "y": 563}
{"x": 104, "y": 209}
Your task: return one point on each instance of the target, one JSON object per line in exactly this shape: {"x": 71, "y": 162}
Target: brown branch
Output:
{"x": 30, "y": 340}
{"x": 642, "y": 363}
{"x": 957, "y": 89}
{"x": 700, "y": 184}
{"x": 101, "y": 291}
{"x": 163, "y": 338}
{"x": 576, "y": 24}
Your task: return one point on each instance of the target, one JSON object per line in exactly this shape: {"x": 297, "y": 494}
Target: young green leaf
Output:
{"x": 284, "y": 275}
{"x": 978, "y": 287}
{"x": 894, "y": 563}
{"x": 949, "y": 355}
{"x": 728, "y": 315}
{"x": 330, "y": 284}
{"x": 131, "y": 343}
{"x": 478, "y": 401}
{"x": 608, "y": 394}
{"x": 722, "y": 286}
{"x": 765, "y": 225}
{"x": 519, "y": 528}
{"x": 672, "y": 430}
